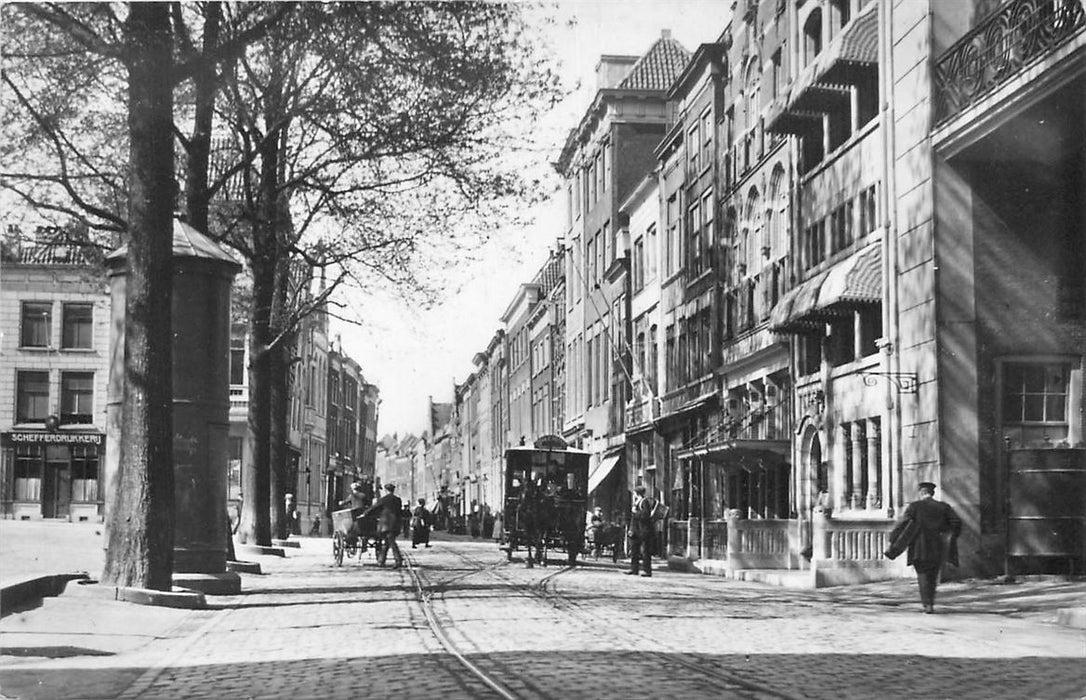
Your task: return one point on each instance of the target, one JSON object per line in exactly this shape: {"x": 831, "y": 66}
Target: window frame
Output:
{"x": 67, "y": 329}
{"x": 43, "y": 320}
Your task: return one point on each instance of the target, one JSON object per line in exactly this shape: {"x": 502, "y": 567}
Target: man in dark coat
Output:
{"x": 642, "y": 533}
{"x": 387, "y": 508}
{"x": 929, "y": 529}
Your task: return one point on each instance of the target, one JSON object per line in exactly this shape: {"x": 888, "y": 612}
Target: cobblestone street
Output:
{"x": 461, "y": 621}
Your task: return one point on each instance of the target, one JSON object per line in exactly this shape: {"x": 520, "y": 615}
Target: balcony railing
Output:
{"x": 997, "y": 49}
{"x": 675, "y": 401}
{"x": 641, "y": 411}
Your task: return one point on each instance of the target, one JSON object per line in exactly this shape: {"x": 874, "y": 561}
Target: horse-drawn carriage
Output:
{"x": 546, "y": 487}
{"x": 352, "y": 534}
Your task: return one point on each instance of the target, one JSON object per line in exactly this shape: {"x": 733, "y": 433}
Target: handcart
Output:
{"x": 352, "y": 534}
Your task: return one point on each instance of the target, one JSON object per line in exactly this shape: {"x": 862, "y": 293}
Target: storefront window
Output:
{"x": 29, "y": 460}
{"x": 84, "y": 461}
{"x": 32, "y": 392}
{"x": 78, "y": 330}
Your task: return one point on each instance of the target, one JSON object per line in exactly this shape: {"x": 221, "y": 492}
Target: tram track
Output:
{"x": 546, "y": 591}
{"x": 444, "y": 631}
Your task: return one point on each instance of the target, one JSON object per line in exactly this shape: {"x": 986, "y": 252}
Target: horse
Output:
{"x": 531, "y": 520}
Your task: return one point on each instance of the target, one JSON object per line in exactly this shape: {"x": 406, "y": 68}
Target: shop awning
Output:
{"x": 601, "y": 470}
{"x": 855, "y": 281}
{"x": 851, "y": 58}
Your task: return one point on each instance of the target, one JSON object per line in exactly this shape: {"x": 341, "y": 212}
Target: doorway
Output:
{"x": 56, "y": 495}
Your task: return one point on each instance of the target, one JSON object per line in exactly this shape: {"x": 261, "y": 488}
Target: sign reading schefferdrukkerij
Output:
{"x": 41, "y": 437}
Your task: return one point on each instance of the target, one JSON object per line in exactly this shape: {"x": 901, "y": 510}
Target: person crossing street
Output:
{"x": 387, "y": 508}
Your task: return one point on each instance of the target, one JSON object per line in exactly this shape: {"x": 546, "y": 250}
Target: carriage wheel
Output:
{"x": 337, "y": 548}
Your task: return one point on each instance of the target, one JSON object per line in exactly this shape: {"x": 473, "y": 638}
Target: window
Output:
{"x": 592, "y": 182}
{"x": 76, "y": 397}
{"x": 637, "y": 264}
{"x": 606, "y": 165}
{"x": 841, "y": 345}
{"x": 777, "y": 77}
{"x": 36, "y": 323}
{"x": 810, "y": 353}
{"x": 29, "y": 462}
{"x": 812, "y": 36}
{"x": 653, "y": 358}
{"x": 1035, "y": 392}
{"x": 84, "y": 461}
{"x": 707, "y": 228}
{"x": 669, "y": 358}
{"x": 870, "y": 329}
{"x": 32, "y": 392}
{"x": 78, "y": 326}
{"x": 694, "y": 239}
{"x": 693, "y": 147}
{"x": 237, "y": 360}
{"x": 672, "y": 251}
{"x": 1035, "y": 403}
{"x": 650, "y": 253}
{"x": 707, "y": 137}
{"x": 841, "y": 227}
{"x": 869, "y": 218}
{"x": 814, "y": 244}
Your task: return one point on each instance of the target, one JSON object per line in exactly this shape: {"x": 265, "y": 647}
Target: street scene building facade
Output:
{"x": 54, "y": 368}
{"x": 54, "y": 371}
{"x": 836, "y": 252}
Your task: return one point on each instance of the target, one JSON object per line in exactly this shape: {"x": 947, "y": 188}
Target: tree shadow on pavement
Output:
{"x": 574, "y": 674}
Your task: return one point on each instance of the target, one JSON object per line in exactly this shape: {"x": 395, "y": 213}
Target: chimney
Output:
{"x": 665, "y": 33}
{"x": 611, "y": 70}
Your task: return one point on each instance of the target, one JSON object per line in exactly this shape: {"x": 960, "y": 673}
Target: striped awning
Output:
{"x": 851, "y": 58}
{"x": 855, "y": 281}
{"x": 601, "y": 471}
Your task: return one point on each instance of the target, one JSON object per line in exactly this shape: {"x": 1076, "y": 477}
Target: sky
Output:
{"x": 413, "y": 354}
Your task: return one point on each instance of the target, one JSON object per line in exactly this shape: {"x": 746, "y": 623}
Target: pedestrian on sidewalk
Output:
{"x": 387, "y": 508}
{"x": 420, "y": 525}
{"x": 929, "y": 530}
{"x": 642, "y": 533}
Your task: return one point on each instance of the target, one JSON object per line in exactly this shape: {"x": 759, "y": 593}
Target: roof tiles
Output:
{"x": 658, "y": 67}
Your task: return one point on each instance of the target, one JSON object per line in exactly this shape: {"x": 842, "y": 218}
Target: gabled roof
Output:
{"x": 659, "y": 67}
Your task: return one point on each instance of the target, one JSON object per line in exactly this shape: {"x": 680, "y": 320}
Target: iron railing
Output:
{"x": 997, "y": 49}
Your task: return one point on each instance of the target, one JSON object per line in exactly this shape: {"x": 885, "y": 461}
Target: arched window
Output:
{"x": 752, "y": 92}
{"x": 812, "y": 36}
{"x": 776, "y": 238}
{"x": 752, "y": 222}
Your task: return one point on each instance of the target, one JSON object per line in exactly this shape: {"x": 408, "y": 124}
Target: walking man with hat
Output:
{"x": 387, "y": 508}
{"x": 929, "y": 530}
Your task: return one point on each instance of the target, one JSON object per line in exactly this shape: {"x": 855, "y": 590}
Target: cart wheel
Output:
{"x": 337, "y": 548}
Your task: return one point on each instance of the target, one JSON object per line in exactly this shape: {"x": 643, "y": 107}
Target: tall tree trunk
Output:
{"x": 266, "y": 266}
{"x": 205, "y": 83}
{"x": 280, "y": 438}
{"x": 141, "y": 532}
{"x": 256, "y": 480}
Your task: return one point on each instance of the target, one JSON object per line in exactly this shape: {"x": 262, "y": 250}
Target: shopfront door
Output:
{"x": 56, "y": 492}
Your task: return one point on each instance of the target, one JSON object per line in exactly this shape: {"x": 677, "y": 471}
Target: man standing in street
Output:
{"x": 929, "y": 529}
{"x": 642, "y": 533}
{"x": 388, "y": 510}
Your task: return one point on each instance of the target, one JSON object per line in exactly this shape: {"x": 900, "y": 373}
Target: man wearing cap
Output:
{"x": 929, "y": 529}
{"x": 387, "y": 508}
{"x": 642, "y": 533}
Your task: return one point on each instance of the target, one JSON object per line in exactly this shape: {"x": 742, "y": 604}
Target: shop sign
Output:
{"x": 46, "y": 438}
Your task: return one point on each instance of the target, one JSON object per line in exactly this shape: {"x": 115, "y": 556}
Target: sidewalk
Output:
{"x": 32, "y": 552}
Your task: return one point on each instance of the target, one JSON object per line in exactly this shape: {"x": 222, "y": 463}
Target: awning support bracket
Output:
{"x": 906, "y": 382}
